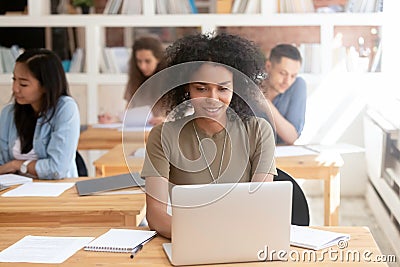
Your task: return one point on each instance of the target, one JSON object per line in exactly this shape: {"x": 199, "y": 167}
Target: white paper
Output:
{"x": 136, "y": 128}
{"x": 13, "y": 179}
{"x": 138, "y": 153}
{"x": 341, "y": 148}
{"x": 39, "y": 189}
{"x": 137, "y": 117}
{"x": 108, "y": 125}
{"x": 43, "y": 249}
{"x": 292, "y": 151}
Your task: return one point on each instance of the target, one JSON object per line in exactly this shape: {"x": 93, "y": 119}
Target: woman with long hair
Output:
{"x": 39, "y": 131}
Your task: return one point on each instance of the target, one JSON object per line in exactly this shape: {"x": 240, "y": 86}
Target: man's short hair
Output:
{"x": 284, "y": 50}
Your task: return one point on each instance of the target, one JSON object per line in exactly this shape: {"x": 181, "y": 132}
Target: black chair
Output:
{"x": 80, "y": 164}
{"x": 300, "y": 212}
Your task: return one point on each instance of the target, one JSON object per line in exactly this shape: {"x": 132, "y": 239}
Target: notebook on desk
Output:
{"x": 224, "y": 223}
{"x": 93, "y": 186}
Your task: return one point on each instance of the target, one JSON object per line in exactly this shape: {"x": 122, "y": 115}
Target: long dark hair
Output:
{"x": 46, "y": 67}
{"x": 136, "y": 77}
{"x": 231, "y": 50}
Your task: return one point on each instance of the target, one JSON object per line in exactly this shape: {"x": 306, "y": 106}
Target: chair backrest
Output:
{"x": 300, "y": 211}
{"x": 80, "y": 165}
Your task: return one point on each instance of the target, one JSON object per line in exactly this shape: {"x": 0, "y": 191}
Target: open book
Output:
{"x": 120, "y": 240}
{"x": 306, "y": 237}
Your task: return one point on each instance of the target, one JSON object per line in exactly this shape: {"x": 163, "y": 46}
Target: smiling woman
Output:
{"x": 210, "y": 112}
{"x": 210, "y": 100}
{"x": 39, "y": 131}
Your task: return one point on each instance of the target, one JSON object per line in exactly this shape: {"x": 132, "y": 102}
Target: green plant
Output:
{"x": 82, "y": 2}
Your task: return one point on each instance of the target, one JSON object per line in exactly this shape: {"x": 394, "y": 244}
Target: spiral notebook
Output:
{"x": 120, "y": 240}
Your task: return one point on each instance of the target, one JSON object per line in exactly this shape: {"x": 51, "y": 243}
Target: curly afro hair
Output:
{"x": 231, "y": 50}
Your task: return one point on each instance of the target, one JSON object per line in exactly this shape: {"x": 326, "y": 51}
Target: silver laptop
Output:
{"x": 226, "y": 223}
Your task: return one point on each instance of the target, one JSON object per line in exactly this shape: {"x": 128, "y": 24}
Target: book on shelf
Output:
{"x": 131, "y": 7}
{"x": 311, "y": 54}
{"x": 379, "y": 6}
{"x": 115, "y": 59}
{"x": 246, "y": 7}
{"x": 107, "y": 7}
{"x": 296, "y": 6}
{"x": 112, "y": 7}
{"x": 173, "y": 7}
{"x": 120, "y": 240}
{"x": 8, "y": 57}
{"x": 178, "y": 6}
{"x": 253, "y": 7}
{"x": 77, "y": 61}
{"x": 224, "y": 6}
{"x": 364, "y": 6}
{"x": 368, "y": 6}
{"x": 193, "y": 7}
{"x": 161, "y": 7}
{"x": 376, "y": 59}
{"x": 16, "y": 51}
{"x": 103, "y": 64}
{"x": 239, "y": 6}
{"x": 1, "y": 63}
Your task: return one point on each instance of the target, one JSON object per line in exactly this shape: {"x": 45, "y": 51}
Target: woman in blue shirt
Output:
{"x": 39, "y": 131}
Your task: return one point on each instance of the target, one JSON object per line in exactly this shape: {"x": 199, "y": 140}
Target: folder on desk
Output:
{"x": 93, "y": 186}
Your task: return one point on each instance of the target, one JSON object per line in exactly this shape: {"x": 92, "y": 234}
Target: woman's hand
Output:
{"x": 106, "y": 118}
{"x": 11, "y": 166}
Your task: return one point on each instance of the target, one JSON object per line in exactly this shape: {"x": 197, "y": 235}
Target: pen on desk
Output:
{"x": 136, "y": 250}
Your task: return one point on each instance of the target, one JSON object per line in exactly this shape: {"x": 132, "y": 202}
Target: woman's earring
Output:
{"x": 187, "y": 96}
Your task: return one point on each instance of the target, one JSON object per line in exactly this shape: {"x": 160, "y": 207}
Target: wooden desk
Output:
{"x": 99, "y": 138}
{"x": 114, "y": 161}
{"x": 70, "y": 209}
{"x": 153, "y": 254}
{"x": 324, "y": 167}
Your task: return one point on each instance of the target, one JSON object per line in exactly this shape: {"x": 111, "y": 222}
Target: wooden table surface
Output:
{"x": 114, "y": 161}
{"x": 70, "y": 209}
{"x": 152, "y": 253}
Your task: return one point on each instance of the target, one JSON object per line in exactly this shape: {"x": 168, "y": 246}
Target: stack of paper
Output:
{"x": 13, "y": 179}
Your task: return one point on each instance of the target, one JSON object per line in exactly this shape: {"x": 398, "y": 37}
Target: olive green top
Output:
{"x": 173, "y": 152}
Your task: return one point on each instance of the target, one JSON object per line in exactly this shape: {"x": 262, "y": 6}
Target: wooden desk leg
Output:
{"x": 98, "y": 171}
{"x": 139, "y": 218}
{"x": 332, "y": 198}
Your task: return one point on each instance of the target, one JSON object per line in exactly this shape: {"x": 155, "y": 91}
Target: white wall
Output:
{"x": 335, "y": 110}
